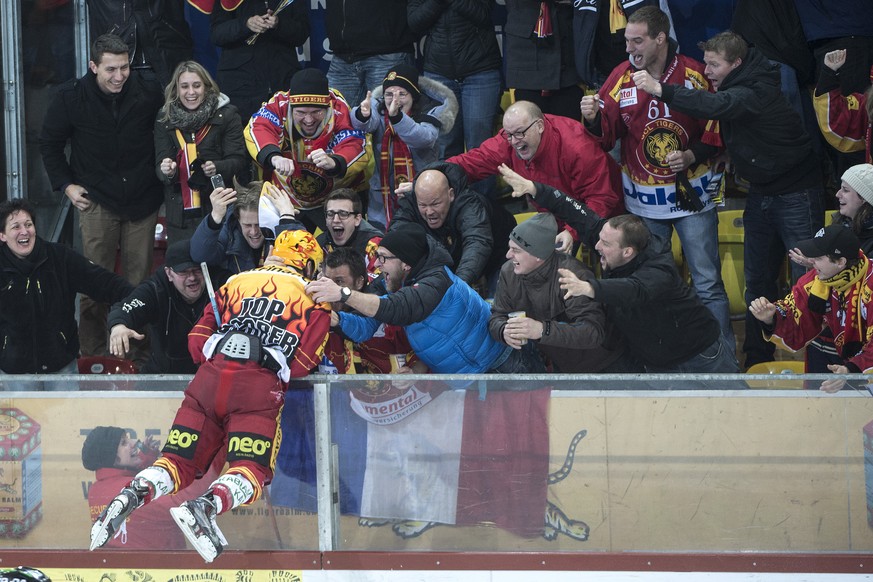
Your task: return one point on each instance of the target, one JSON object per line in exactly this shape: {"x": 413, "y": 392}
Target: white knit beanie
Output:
{"x": 860, "y": 178}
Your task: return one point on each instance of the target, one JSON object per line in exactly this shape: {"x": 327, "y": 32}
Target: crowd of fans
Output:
{"x": 396, "y": 169}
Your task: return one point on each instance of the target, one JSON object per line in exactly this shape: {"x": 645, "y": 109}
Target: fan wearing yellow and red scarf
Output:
{"x": 837, "y": 292}
{"x": 198, "y": 134}
{"x": 406, "y": 116}
{"x": 304, "y": 143}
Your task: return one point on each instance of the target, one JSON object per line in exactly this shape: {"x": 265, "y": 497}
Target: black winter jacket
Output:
{"x": 157, "y": 304}
{"x": 763, "y": 134}
{"x": 460, "y": 36}
{"x": 475, "y": 234}
{"x": 37, "y": 305}
{"x": 774, "y": 27}
{"x": 362, "y": 28}
{"x": 662, "y": 320}
{"x": 155, "y": 30}
{"x": 112, "y": 158}
{"x": 251, "y": 73}
{"x": 223, "y": 145}
{"x": 585, "y": 22}
{"x": 539, "y": 63}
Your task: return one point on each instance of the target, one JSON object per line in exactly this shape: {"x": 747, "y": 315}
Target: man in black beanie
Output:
{"x": 445, "y": 320}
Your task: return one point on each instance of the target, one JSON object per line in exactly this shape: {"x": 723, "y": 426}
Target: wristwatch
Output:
{"x": 345, "y": 293}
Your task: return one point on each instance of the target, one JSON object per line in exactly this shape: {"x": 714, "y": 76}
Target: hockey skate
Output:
{"x": 111, "y": 518}
{"x": 196, "y": 519}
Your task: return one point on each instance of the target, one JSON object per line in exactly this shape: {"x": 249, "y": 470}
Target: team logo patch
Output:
{"x": 660, "y": 138}
{"x": 389, "y": 408}
{"x": 310, "y": 185}
{"x": 182, "y": 441}
{"x": 247, "y": 446}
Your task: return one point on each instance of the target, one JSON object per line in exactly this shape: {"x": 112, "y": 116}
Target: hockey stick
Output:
{"x": 211, "y": 292}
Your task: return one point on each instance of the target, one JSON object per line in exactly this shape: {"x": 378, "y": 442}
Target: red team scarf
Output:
{"x": 393, "y": 149}
{"x": 206, "y": 6}
{"x": 187, "y": 154}
{"x": 543, "y": 26}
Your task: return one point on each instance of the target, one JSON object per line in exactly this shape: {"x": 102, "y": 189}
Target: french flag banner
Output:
{"x": 457, "y": 460}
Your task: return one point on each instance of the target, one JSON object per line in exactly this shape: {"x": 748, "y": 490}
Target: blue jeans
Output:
{"x": 698, "y": 234}
{"x": 773, "y": 224}
{"x": 714, "y": 359}
{"x": 478, "y": 97}
{"x": 353, "y": 80}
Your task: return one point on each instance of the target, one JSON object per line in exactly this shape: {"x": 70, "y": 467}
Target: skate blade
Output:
{"x": 186, "y": 522}
{"x": 100, "y": 533}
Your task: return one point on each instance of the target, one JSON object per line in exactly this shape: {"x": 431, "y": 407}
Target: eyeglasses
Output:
{"x": 516, "y": 135}
{"x": 343, "y": 214}
{"x": 399, "y": 94}
{"x": 192, "y": 272}
{"x": 380, "y": 259}
{"x": 317, "y": 114}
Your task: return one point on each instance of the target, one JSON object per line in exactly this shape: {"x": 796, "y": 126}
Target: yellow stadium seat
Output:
{"x": 507, "y": 99}
{"x": 730, "y": 249}
{"x": 781, "y": 369}
{"x": 522, "y": 216}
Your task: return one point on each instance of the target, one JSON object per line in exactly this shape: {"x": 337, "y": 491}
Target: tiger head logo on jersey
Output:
{"x": 659, "y": 139}
{"x": 297, "y": 247}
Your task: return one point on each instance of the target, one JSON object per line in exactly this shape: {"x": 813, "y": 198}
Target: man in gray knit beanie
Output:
{"x": 531, "y": 312}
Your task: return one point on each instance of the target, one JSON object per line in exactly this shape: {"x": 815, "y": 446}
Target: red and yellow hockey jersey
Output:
{"x": 649, "y": 130}
{"x": 272, "y": 129}
{"x": 271, "y": 304}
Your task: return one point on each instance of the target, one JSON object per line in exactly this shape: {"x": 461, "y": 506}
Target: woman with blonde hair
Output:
{"x": 198, "y": 136}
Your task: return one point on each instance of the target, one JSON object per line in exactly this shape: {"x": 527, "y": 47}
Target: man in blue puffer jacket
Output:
{"x": 445, "y": 320}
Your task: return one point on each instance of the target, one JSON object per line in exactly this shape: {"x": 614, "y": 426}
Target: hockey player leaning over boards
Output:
{"x": 268, "y": 331}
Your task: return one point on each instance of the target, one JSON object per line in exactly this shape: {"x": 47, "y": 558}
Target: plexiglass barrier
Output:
{"x": 481, "y": 463}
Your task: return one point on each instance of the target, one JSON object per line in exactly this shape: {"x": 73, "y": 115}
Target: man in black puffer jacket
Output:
{"x": 768, "y": 147}
{"x": 461, "y": 52}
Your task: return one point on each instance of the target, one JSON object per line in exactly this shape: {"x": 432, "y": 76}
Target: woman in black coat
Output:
{"x": 39, "y": 281}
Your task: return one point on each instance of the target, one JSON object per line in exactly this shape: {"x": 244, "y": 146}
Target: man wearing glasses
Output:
{"x": 552, "y": 150}
{"x": 347, "y": 228}
{"x": 304, "y": 142}
{"x": 445, "y": 320}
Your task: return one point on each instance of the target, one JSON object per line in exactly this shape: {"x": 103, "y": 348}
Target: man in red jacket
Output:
{"x": 551, "y": 150}
{"x": 262, "y": 330}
